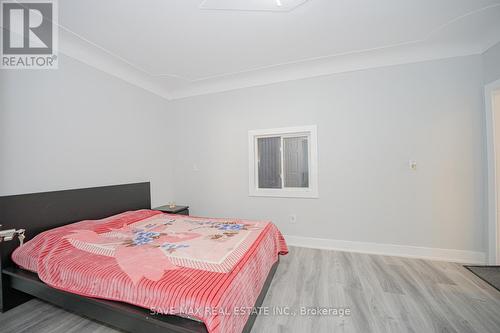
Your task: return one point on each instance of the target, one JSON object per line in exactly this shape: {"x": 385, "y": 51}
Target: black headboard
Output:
{"x": 38, "y": 212}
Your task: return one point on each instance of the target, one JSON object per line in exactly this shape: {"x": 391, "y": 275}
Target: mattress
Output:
{"x": 209, "y": 269}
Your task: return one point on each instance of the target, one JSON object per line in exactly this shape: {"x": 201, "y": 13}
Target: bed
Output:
{"x": 103, "y": 253}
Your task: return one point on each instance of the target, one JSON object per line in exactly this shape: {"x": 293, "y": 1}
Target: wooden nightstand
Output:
{"x": 180, "y": 210}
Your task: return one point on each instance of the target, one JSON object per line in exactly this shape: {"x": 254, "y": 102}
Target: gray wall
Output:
{"x": 370, "y": 124}
{"x": 491, "y": 64}
{"x": 77, "y": 127}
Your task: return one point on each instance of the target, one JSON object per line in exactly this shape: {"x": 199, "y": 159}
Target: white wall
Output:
{"x": 78, "y": 127}
{"x": 491, "y": 67}
{"x": 370, "y": 123}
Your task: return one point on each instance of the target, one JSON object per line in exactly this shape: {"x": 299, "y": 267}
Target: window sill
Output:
{"x": 280, "y": 193}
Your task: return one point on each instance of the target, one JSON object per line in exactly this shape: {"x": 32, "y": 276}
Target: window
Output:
{"x": 283, "y": 162}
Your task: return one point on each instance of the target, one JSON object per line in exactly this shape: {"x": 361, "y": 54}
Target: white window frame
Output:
{"x": 285, "y": 192}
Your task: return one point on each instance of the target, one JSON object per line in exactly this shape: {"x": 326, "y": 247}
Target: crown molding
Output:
{"x": 427, "y": 37}
{"x": 171, "y": 87}
{"x": 75, "y": 47}
{"x": 323, "y": 67}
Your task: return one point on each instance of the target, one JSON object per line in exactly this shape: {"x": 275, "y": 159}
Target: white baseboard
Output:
{"x": 460, "y": 256}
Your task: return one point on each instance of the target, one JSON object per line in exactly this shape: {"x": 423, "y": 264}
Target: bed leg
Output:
{"x": 9, "y": 298}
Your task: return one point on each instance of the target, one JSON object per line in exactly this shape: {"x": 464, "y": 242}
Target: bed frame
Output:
{"x": 39, "y": 212}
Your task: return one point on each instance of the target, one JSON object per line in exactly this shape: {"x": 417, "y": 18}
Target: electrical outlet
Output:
{"x": 293, "y": 218}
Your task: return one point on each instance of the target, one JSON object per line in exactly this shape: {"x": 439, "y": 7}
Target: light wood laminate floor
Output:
{"x": 384, "y": 294}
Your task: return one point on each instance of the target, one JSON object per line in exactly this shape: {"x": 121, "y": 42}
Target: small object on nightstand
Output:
{"x": 180, "y": 210}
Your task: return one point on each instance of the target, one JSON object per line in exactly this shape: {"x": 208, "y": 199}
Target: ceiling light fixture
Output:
{"x": 252, "y": 5}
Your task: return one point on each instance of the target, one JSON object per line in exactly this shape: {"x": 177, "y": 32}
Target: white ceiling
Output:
{"x": 177, "y": 48}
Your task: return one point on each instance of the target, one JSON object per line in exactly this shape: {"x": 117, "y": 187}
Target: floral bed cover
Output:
{"x": 205, "y": 268}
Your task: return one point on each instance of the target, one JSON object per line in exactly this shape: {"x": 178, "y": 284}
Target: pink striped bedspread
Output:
{"x": 204, "y": 268}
